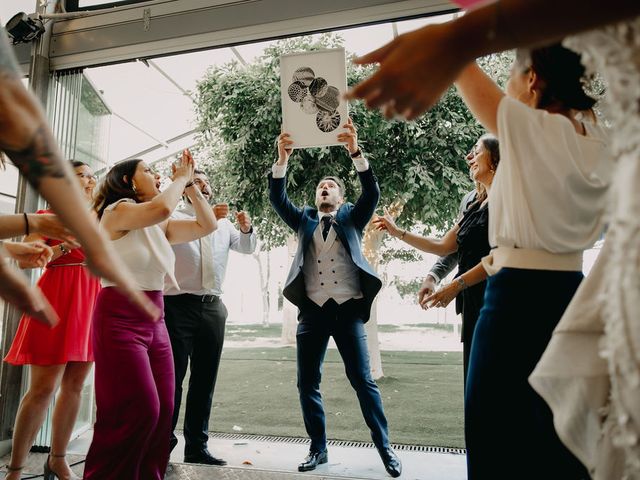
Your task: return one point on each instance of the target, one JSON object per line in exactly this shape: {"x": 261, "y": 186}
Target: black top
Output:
{"x": 473, "y": 237}
{"x": 473, "y": 244}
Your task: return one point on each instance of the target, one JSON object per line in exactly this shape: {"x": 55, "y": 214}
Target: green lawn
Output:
{"x": 422, "y": 394}
{"x": 252, "y": 331}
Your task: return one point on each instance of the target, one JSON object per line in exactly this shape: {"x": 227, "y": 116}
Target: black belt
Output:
{"x": 203, "y": 298}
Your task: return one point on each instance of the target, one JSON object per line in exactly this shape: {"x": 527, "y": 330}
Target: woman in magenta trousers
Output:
{"x": 134, "y": 364}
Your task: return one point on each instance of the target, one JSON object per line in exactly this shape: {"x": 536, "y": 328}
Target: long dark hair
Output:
{"x": 561, "y": 74}
{"x": 490, "y": 142}
{"x": 117, "y": 184}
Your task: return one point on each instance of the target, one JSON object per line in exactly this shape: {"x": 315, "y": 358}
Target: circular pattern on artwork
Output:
{"x": 330, "y": 100}
{"x": 316, "y": 97}
{"x": 318, "y": 87}
{"x": 297, "y": 91}
{"x": 327, "y": 121}
{"x": 304, "y": 75}
{"x": 308, "y": 105}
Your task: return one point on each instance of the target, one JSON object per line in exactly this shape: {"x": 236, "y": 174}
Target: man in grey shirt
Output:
{"x": 195, "y": 318}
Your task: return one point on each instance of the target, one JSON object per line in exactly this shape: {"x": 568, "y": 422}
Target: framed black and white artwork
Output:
{"x": 312, "y": 85}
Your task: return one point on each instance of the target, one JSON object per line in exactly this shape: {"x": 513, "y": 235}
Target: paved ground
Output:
{"x": 251, "y": 459}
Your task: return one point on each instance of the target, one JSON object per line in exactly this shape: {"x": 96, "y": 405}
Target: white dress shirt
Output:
{"x": 188, "y": 269}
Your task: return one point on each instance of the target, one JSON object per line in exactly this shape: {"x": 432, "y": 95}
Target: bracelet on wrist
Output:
{"x": 63, "y": 250}
{"x": 461, "y": 283}
{"x": 356, "y": 154}
{"x": 189, "y": 184}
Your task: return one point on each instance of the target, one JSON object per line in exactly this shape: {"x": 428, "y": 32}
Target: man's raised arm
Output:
{"x": 278, "y": 188}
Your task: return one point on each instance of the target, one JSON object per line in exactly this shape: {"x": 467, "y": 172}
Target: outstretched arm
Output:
{"x": 366, "y": 204}
{"x": 278, "y": 187}
{"x": 417, "y": 67}
{"x": 45, "y": 224}
{"x": 27, "y": 140}
{"x": 438, "y": 246}
{"x": 181, "y": 231}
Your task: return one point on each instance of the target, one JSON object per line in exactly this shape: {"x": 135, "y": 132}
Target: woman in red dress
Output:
{"x": 59, "y": 356}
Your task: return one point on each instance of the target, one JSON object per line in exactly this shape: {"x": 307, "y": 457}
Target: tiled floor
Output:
{"x": 250, "y": 459}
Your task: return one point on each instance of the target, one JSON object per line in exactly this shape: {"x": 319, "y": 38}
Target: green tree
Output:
{"x": 420, "y": 165}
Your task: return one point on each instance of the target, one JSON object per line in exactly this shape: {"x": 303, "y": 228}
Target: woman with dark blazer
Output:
{"x": 469, "y": 239}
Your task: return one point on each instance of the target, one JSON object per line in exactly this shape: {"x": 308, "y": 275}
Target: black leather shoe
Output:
{"x": 204, "y": 458}
{"x": 391, "y": 462}
{"x": 313, "y": 460}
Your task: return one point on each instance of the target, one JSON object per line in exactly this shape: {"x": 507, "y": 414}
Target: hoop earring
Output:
{"x": 133, "y": 187}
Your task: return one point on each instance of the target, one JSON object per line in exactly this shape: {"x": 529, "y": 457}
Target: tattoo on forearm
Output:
{"x": 39, "y": 158}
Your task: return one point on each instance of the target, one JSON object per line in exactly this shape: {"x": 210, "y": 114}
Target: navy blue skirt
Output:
{"x": 508, "y": 427}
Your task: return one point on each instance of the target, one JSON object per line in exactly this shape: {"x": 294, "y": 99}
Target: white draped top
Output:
{"x": 550, "y": 188}
{"x": 147, "y": 253}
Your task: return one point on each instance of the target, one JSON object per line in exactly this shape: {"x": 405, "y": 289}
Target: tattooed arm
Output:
{"x": 27, "y": 140}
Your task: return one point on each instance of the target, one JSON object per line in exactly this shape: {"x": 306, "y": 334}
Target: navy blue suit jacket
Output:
{"x": 349, "y": 225}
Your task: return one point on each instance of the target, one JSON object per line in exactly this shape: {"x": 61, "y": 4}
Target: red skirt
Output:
{"x": 72, "y": 292}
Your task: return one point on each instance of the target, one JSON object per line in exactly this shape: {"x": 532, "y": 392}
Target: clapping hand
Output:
{"x": 184, "y": 167}
{"x": 244, "y": 222}
{"x": 221, "y": 210}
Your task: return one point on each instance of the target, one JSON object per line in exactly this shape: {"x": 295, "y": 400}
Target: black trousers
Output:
{"x": 196, "y": 330}
{"x": 344, "y": 323}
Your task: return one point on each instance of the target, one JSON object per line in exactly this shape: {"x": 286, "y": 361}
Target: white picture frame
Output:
{"x": 312, "y": 87}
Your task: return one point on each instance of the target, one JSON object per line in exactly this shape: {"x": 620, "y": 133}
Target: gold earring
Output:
{"x": 133, "y": 187}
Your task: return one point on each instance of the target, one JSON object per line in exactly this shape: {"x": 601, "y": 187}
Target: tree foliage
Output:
{"x": 420, "y": 165}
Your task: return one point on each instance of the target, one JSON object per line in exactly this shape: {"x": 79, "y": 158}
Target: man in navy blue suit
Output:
{"x": 333, "y": 286}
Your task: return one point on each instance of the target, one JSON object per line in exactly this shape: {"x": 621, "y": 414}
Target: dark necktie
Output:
{"x": 326, "y": 225}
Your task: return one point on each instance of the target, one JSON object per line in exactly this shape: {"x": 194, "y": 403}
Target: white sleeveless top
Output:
{"x": 147, "y": 253}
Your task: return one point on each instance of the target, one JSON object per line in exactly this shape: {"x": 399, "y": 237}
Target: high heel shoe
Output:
{"x": 49, "y": 474}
